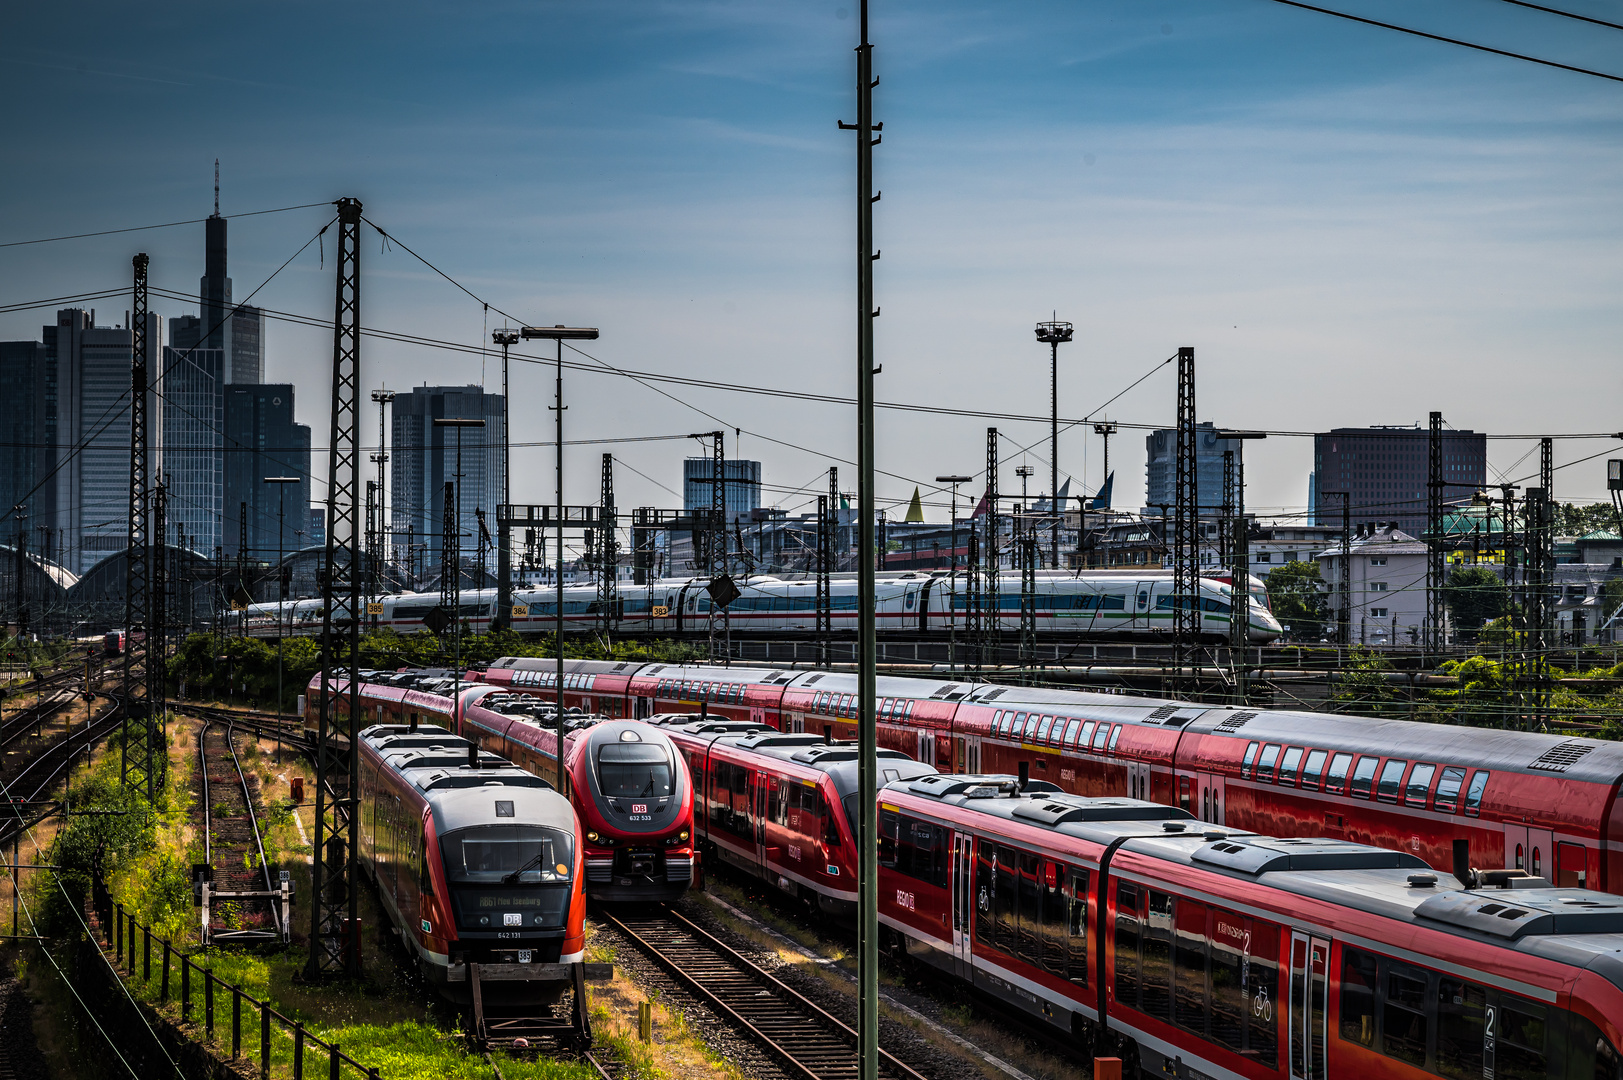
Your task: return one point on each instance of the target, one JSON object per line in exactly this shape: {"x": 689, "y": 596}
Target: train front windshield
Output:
{"x": 635, "y": 771}
{"x": 526, "y": 854}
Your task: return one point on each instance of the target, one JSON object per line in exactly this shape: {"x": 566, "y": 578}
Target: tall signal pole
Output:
{"x": 381, "y": 555}
{"x": 867, "y": 735}
{"x": 504, "y": 539}
{"x": 139, "y": 759}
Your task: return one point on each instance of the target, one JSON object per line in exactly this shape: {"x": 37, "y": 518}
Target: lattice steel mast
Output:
{"x": 140, "y": 758}
{"x": 1435, "y": 565}
{"x": 334, "y": 885}
{"x": 1186, "y": 525}
{"x": 608, "y": 552}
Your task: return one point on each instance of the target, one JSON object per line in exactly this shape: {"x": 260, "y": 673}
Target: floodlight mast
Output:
{"x": 559, "y": 334}
{"x": 1053, "y": 334}
{"x": 504, "y": 560}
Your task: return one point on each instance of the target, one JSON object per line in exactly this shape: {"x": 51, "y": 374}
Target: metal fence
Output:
{"x": 133, "y": 945}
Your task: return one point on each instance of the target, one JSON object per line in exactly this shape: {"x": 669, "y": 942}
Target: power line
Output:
{"x": 1564, "y": 14}
{"x": 1454, "y": 41}
{"x": 165, "y": 225}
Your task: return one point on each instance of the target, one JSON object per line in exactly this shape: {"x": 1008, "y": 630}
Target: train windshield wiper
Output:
{"x": 532, "y": 864}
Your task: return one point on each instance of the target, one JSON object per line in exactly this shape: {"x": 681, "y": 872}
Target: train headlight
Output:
{"x": 484, "y": 920}
{"x": 539, "y": 919}
{"x": 593, "y": 837}
{"x": 683, "y": 835}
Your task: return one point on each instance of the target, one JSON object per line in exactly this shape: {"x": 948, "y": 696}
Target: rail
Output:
{"x": 132, "y": 944}
{"x": 811, "y": 1042}
{"x": 247, "y": 802}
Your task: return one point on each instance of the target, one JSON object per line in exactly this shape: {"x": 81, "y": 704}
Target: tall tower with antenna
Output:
{"x": 215, "y": 287}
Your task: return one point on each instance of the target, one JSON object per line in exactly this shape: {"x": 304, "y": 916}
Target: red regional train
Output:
{"x": 1203, "y": 952}
{"x": 631, "y": 788}
{"x": 627, "y": 783}
{"x": 781, "y": 807}
{"x": 1545, "y": 803}
{"x": 476, "y": 861}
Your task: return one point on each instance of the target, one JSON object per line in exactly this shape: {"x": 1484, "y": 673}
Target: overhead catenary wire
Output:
{"x": 164, "y": 225}
{"x": 1452, "y": 40}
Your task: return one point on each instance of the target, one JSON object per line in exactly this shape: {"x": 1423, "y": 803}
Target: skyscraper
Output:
{"x": 262, "y": 439}
{"x": 247, "y": 345}
{"x": 215, "y": 287}
{"x": 742, "y": 480}
{"x": 27, "y": 430}
{"x": 88, "y": 376}
{"x": 423, "y": 459}
{"x": 1386, "y": 471}
{"x": 193, "y": 419}
{"x": 1161, "y": 468}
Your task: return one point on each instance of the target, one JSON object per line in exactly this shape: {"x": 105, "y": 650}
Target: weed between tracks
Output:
{"x": 676, "y": 1053}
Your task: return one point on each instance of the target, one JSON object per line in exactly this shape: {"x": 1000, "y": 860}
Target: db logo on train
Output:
{"x": 904, "y": 899}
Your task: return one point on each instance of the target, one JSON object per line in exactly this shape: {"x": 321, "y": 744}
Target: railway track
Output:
{"x": 810, "y": 1042}
{"x": 230, "y": 826}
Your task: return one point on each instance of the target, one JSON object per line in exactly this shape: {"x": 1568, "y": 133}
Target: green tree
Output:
{"x": 1297, "y": 595}
{"x": 1576, "y": 519}
{"x": 1611, "y": 597}
{"x": 1362, "y": 687}
{"x": 1474, "y": 594}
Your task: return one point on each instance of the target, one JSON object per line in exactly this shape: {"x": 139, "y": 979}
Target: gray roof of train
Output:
{"x": 535, "y": 802}
{"x": 1579, "y": 927}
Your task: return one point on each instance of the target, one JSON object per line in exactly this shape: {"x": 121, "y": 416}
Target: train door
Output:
{"x": 1532, "y": 850}
{"x": 642, "y": 707}
{"x": 1138, "y": 780}
{"x": 963, "y": 905}
{"x": 1211, "y": 798}
{"x": 1310, "y": 964}
{"x": 1139, "y": 603}
{"x": 966, "y": 754}
{"x": 924, "y": 605}
{"x": 926, "y": 751}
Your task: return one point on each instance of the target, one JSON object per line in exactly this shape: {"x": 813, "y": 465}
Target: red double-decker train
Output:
{"x": 1545, "y": 803}
{"x": 1201, "y": 951}
{"x": 781, "y": 807}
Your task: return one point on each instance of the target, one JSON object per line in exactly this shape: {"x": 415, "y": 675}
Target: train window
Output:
{"x": 1099, "y": 741}
{"x": 1461, "y": 1013}
{"x": 1359, "y": 977}
{"x": 486, "y": 853}
{"x": 1127, "y": 932}
{"x": 1521, "y": 858}
{"x": 1363, "y": 778}
{"x": 1032, "y": 720}
{"x": 1250, "y": 760}
{"x": 1055, "y": 919}
{"x": 1473, "y": 796}
{"x": 1447, "y": 798}
{"x": 1519, "y": 1052}
{"x": 1006, "y": 932}
{"x": 1336, "y": 779}
{"x": 1403, "y": 1013}
{"x": 1314, "y": 769}
{"x": 1029, "y": 934}
{"x": 910, "y": 710}
{"x": 1189, "y": 961}
{"x": 1265, "y": 766}
{"x": 1157, "y": 963}
{"x": 1085, "y": 736}
{"x": 1043, "y": 729}
{"x": 1538, "y": 862}
{"x": 1288, "y": 766}
{"x": 1391, "y": 780}
{"x": 1071, "y": 730}
{"x": 1571, "y": 866}
{"x": 997, "y": 722}
{"x": 1419, "y": 785}
{"x": 1077, "y": 938}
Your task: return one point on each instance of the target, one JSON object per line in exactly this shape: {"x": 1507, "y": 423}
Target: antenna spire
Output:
{"x": 216, "y": 187}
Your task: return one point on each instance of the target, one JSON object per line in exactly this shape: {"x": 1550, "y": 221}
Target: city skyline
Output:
{"x": 1288, "y": 194}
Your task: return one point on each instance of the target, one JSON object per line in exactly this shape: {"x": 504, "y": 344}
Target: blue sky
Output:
{"x": 1349, "y": 226}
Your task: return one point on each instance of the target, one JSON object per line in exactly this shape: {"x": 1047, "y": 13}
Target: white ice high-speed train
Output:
{"x": 1106, "y": 603}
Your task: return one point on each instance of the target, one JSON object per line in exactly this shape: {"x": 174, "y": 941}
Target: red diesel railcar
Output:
{"x": 630, "y": 786}
{"x": 476, "y": 862}
{"x": 1199, "y": 951}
